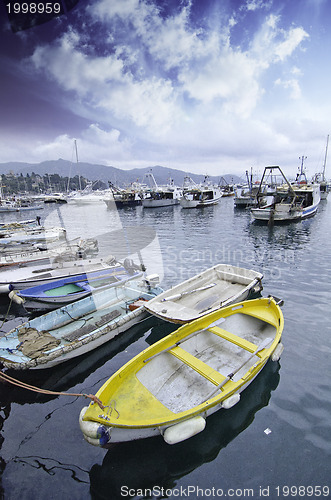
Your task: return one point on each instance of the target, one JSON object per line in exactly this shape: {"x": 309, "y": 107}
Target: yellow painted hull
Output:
{"x": 180, "y": 380}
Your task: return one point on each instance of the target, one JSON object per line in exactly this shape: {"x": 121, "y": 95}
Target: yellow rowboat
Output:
{"x": 172, "y": 386}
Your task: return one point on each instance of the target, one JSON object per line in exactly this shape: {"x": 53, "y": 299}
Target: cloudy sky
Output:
{"x": 207, "y": 86}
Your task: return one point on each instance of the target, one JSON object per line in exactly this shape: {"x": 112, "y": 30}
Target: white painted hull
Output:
{"x": 283, "y": 214}
{"x": 186, "y": 203}
{"x": 165, "y": 202}
{"x": 122, "y": 434}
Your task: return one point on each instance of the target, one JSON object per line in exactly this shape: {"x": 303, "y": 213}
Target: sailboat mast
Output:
{"x": 326, "y": 154}
{"x": 76, "y": 151}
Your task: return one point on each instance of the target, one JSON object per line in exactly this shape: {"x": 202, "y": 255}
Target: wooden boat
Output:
{"x": 74, "y": 249}
{"x": 77, "y": 328}
{"x": 18, "y": 225}
{"x": 34, "y": 234}
{"x": 290, "y": 202}
{"x": 172, "y": 386}
{"x": 19, "y": 278}
{"x": 201, "y": 195}
{"x": 54, "y": 294}
{"x": 208, "y": 291}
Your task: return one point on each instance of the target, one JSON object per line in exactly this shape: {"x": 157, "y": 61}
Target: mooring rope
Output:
{"x": 33, "y": 388}
{"x": 6, "y": 316}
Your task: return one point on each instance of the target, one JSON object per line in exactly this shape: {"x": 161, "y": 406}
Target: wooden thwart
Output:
{"x": 199, "y": 366}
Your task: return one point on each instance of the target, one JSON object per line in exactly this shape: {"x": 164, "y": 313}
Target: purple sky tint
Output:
{"x": 210, "y": 87}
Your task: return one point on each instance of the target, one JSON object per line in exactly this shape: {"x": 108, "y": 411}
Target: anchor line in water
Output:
{"x": 23, "y": 385}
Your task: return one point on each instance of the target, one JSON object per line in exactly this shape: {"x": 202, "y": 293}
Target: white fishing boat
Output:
{"x": 289, "y": 202}
{"x": 161, "y": 196}
{"x": 201, "y": 195}
{"x": 170, "y": 388}
{"x": 77, "y": 328}
{"x": 208, "y": 291}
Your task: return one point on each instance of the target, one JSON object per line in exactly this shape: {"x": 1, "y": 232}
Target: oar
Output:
{"x": 263, "y": 345}
{"x": 216, "y": 323}
{"x": 178, "y": 295}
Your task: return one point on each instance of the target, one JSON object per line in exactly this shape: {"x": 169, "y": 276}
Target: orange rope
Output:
{"x": 29, "y": 387}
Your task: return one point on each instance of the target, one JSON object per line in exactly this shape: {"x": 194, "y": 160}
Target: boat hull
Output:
{"x": 59, "y": 293}
{"x": 27, "y": 277}
{"x": 77, "y": 328}
{"x": 214, "y": 288}
{"x": 186, "y": 203}
{"x": 155, "y": 203}
{"x": 166, "y": 388}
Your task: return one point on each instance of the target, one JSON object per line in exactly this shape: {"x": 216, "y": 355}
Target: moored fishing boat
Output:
{"x": 172, "y": 386}
{"x": 129, "y": 197}
{"x": 201, "y": 195}
{"x": 289, "y": 202}
{"x": 246, "y": 195}
{"x": 77, "y": 328}
{"x": 205, "y": 292}
{"x": 161, "y": 196}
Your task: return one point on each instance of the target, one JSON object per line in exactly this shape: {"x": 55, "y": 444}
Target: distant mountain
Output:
{"x": 117, "y": 176}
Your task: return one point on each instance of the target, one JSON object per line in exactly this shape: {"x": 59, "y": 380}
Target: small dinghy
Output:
{"x": 172, "y": 386}
{"x": 208, "y": 291}
{"x": 77, "y": 328}
{"x": 51, "y": 295}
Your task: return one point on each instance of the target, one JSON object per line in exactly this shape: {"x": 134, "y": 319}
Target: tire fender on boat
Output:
{"x": 184, "y": 430}
{"x": 277, "y": 352}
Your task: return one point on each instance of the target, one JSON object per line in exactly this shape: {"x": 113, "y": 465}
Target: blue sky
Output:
{"x": 215, "y": 86}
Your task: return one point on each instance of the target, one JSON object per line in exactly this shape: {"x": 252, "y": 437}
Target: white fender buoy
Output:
{"x": 277, "y": 352}
{"x": 231, "y": 401}
{"x": 184, "y": 430}
{"x": 88, "y": 428}
{"x": 15, "y": 298}
{"x": 6, "y": 288}
{"x": 93, "y": 442}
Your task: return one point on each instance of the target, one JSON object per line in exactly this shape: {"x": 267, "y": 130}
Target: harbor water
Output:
{"x": 275, "y": 443}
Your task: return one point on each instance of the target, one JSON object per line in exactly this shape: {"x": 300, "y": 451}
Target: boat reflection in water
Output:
{"x": 142, "y": 464}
